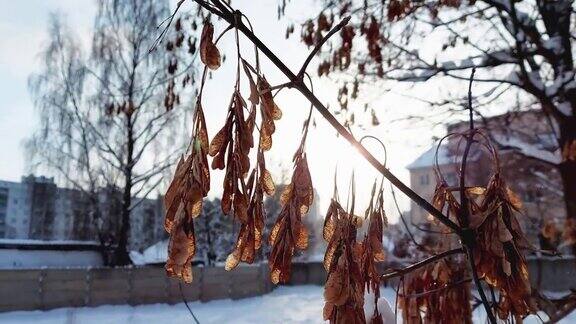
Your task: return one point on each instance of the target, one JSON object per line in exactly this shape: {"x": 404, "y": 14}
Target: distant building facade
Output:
{"x": 36, "y": 208}
{"x": 527, "y": 156}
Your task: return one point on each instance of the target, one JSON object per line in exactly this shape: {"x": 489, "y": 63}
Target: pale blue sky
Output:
{"x": 23, "y": 32}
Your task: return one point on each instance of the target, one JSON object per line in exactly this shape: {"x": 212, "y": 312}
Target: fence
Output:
{"x": 549, "y": 274}
{"x": 53, "y": 288}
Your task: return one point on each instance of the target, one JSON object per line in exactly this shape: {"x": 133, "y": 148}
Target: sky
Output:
{"x": 23, "y": 32}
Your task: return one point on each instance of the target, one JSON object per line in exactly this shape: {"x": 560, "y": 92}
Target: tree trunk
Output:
{"x": 568, "y": 165}
{"x": 121, "y": 256}
{"x": 568, "y": 173}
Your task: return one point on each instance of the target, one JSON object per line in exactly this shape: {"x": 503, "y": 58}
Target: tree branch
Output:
{"x": 229, "y": 17}
{"x": 316, "y": 48}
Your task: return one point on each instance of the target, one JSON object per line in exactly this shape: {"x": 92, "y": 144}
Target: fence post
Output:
{"x": 167, "y": 289}
{"x": 131, "y": 298}
{"x": 41, "y": 288}
{"x": 230, "y": 279}
{"x": 88, "y": 282}
{"x": 201, "y": 284}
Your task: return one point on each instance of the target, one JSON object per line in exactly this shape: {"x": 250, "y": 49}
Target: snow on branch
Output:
{"x": 527, "y": 149}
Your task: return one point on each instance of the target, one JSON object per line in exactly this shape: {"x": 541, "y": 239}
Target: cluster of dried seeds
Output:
{"x": 436, "y": 293}
{"x": 183, "y": 201}
{"x": 289, "y": 232}
{"x": 344, "y": 289}
{"x": 498, "y": 249}
{"x": 191, "y": 182}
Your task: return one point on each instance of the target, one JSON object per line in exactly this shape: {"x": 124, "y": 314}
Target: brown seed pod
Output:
{"x": 498, "y": 249}
{"x": 249, "y": 239}
{"x": 232, "y": 144}
{"x": 269, "y": 112}
{"x": 344, "y": 289}
{"x": 498, "y": 239}
{"x": 373, "y": 248}
{"x": 288, "y": 232}
{"x": 183, "y": 201}
{"x": 209, "y": 53}
{"x": 436, "y": 293}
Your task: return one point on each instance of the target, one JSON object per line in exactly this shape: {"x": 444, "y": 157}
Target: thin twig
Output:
{"x": 468, "y": 239}
{"x": 420, "y": 246}
{"x": 186, "y": 303}
{"x": 470, "y": 98}
{"x": 163, "y": 33}
{"x": 417, "y": 265}
{"x": 316, "y": 48}
{"x": 429, "y": 292}
{"x": 381, "y": 144}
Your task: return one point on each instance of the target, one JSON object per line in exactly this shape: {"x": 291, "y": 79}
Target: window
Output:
{"x": 3, "y": 197}
{"x": 451, "y": 178}
{"x": 424, "y": 179}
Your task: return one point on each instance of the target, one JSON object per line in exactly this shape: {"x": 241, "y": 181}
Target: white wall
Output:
{"x": 25, "y": 259}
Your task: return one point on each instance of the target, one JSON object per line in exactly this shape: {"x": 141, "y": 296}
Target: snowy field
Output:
{"x": 300, "y": 304}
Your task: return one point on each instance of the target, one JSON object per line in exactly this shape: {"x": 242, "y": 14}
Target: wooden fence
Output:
{"x": 53, "y": 288}
{"x": 549, "y": 274}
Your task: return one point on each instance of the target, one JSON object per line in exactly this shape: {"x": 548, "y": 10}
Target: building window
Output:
{"x": 424, "y": 179}
{"x": 451, "y": 178}
{"x": 3, "y": 198}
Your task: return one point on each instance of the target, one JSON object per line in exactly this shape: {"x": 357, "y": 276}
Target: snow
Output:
{"x": 296, "y": 304}
{"x": 33, "y": 259}
{"x": 527, "y": 149}
{"x": 554, "y": 44}
{"x": 33, "y": 254}
{"x": 46, "y": 242}
{"x": 512, "y": 77}
{"x": 427, "y": 159}
{"x": 301, "y": 304}
{"x": 422, "y": 75}
{"x": 565, "y": 108}
{"x": 157, "y": 253}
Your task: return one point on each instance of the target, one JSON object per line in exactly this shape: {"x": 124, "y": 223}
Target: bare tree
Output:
{"x": 517, "y": 46}
{"x": 104, "y": 115}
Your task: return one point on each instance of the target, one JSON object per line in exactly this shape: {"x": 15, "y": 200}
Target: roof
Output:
{"x": 427, "y": 159}
{"x": 445, "y": 157}
{"x": 157, "y": 253}
{"x": 59, "y": 245}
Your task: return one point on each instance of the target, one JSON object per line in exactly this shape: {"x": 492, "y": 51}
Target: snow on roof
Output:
{"x": 157, "y": 253}
{"x": 427, "y": 159}
{"x": 528, "y": 149}
{"x": 28, "y": 244}
{"x": 46, "y": 242}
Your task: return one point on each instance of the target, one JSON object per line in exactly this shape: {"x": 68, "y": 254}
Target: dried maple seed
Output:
{"x": 269, "y": 112}
{"x": 288, "y": 232}
{"x": 183, "y": 201}
{"x": 230, "y": 149}
{"x": 500, "y": 241}
{"x": 344, "y": 289}
{"x": 436, "y": 293}
{"x": 209, "y": 53}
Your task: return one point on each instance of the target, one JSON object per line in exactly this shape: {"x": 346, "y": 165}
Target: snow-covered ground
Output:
{"x": 299, "y": 304}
